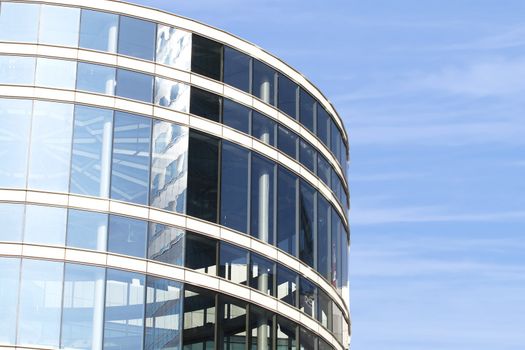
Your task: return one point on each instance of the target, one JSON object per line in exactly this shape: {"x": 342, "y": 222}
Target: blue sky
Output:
{"x": 432, "y": 93}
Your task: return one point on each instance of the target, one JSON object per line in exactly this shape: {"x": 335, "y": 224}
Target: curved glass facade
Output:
{"x": 117, "y": 143}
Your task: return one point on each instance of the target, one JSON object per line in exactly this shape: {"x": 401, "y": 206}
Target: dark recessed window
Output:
{"x": 233, "y": 263}
{"x": 307, "y": 110}
{"x": 236, "y": 116}
{"x": 286, "y": 334}
{"x": 137, "y": 38}
{"x": 286, "y": 285}
{"x": 307, "y": 224}
{"x": 237, "y": 69}
{"x": 232, "y": 325}
{"x": 287, "y": 98}
{"x": 323, "y": 169}
{"x": 234, "y": 187}
{"x": 263, "y": 82}
{"x": 263, "y": 128}
{"x": 201, "y": 253}
{"x": 323, "y": 237}
{"x": 127, "y": 236}
{"x": 306, "y": 339}
{"x": 206, "y": 57}
{"x": 262, "y": 199}
{"x": 287, "y": 141}
{"x": 199, "y": 319}
{"x": 323, "y": 125}
{"x": 335, "y": 145}
{"x": 287, "y": 211}
{"x": 260, "y": 328}
{"x": 205, "y": 104}
{"x": 262, "y": 274}
{"x": 203, "y": 170}
{"x": 307, "y": 155}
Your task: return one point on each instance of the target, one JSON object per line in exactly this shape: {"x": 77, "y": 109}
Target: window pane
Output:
{"x": 307, "y": 110}
{"x": 127, "y": 236}
{"x": 324, "y": 345}
{"x": 15, "y": 118}
{"x": 335, "y": 228}
{"x": 233, "y": 263}
{"x": 59, "y": 25}
{"x": 307, "y": 339}
{"x": 166, "y": 244}
{"x": 262, "y": 274}
{"x": 169, "y": 166}
{"x": 12, "y": 219}
{"x": 45, "y": 225}
{"x": 19, "y": 22}
{"x": 201, "y": 253}
{"x": 173, "y": 47}
{"x": 307, "y": 224}
{"x": 334, "y": 139}
{"x": 286, "y": 334}
{"x": 287, "y": 96}
{"x": 50, "y": 152}
{"x": 46, "y": 73}
{"x": 261, "y": 328}
{"x": 323, "y": 169}
{"x": 237, "y": 69}
{"x": 199, "y": 319}
{"x": 96, "y": 78}
{"x": 234, "y": 187}
{"x": 286, "y": 285}
{"x": 323, "y": 237}
{"x": 307, "y": 155}
{"x": 262, "y": 199}
{"x": 136, "y": 38}
{"x": 205, "y": 104}
{"x": 232, "y": 325}
{"x": 206, "y": 57}
{"x": 323, "y": 125}
{"x": 287, "y": 212}
{"x": 236, "y": 116}
{"x": 263, "y": 128}
{"x": 324, "y": 312}
{"x": 263, "y": 82}
{"x": 9, "y": 280}
{"x": 98, "y": 31}
{"x": 133, "y": 85}
{"x": 172, "y": 95}
{"x": 287, "y": 142}
{"x": 131, "y": 158}
{"x": 87, "y": 230}
{"x": 307, "y": 297}
{"x": 17, "y": 70}
{"x": 124, "y": 315}
{"x": 203, "y": 169}
{"x": 83, "y": 304}
{"x": 91, "y": 160}
{"x": 163, "y": 314}
{"x": 40, "y": 303}
{"x": 337, "y": 322}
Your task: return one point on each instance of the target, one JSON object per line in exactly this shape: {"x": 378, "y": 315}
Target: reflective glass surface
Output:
{"x": 40, "y": 302}
{"x": 127, "y": 236}
{"x": 96, "y": 78}
{"x": 15, "y": 118}
{"x": 286, "y": 285}
{"x": 307, "y": 110}
{"x": 201, "y": 253}
{"x": 205, "y": 104}
{"x": 133, "y": 85}
{"x": 166, "y": 244}
{"x": 337, "y": 322}
{"x": 131, "y": 158}
{"x": 263, "y": 85}
{"x": 334, "y": 238}
{"x": 136, "y": 38}
{"x": 98, "y": 30}
{"x": 9, "y": 281}
{"x": 124, "y": 312}
{"x": 306, "y": 339}
{"x": 262, "y": 274}
{"x": 307, "y": 155}
{"x": 82, "y": 309}
{"x": 324, "y": 310}
{"x": 287, "y": 97}
{"x": 323, "y": 169}
{"x": 323, "y": 237}
{"x": 17, "y": 70}
{"x": 169, "y": 166}
{"x": 46, "y": 73}
{"x": 262, "y": 199}
{"x": 172, "y": 94}
{"x": 260, "y": 328}
{"x": 87, "y": 230}
{"x": 91, "y": 159}
{"x": 307, "y": 297}
{"x": 173, "y": 47}
{"x": 233, "y": 263}
{"x": 45, "y": 225}
{"x": 237, "y": 69}
{"x": 12, "y": 219}
{"x": 286, "y": 334}
{"x": 236, "y": 116}
{"x": 307, "y": 227}
{"x": 206, "y": 57}
{"x": 234, "y": 186}
{"x": 59, "y": 25}
{"x": 263, "y": 128}
{"x": 232, "y": 325}
{"x": 199, "y": 319}
{"x": 287, "y": 211}
{"x": 287, "y": 141}
{"x": 323, "y": 125}
{"x": 50, "y": 151}
{"x": 19, "y": 22}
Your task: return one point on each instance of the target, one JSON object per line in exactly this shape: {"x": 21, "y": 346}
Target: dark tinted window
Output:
{"x": 205, "y": 104}
{"x": 232, "y": 325}
{"x": 137, "y": 38}
{"x": 323, "y": 169}
{"x": 127, "y": 236}
{"x": 323, "y": 125}
{"x": 323, "y": 237}
{"x": 133, "y": 85}
{"x": 237, "y": 69}
{"x": 287, "y": 142}
{"x": 306, "y": 339}
{"x": 236, "y": 116}
{"x": 307, "y": 223}
{"x": 286, "y": 285}
{"x": 263, "y": 128}
{"x": 287, "y": 98}
{"x": 263, "y": 82}
{"x": 307, "y": 110}
{"x": 324, "y": 310}
{"x": 262, "y": 199}
{"x": 287, "y": 211}
{"x": 262, "y": 274}
{"x": 234, "y": 187}
{"x": 206, "y": 57}
{"x": 323, "y": 345}
{"x": 201, "y": 253}
{"x": 260, "y": 328}
{"x": 307, "y": 297}
{"x": 286, "y": 334}
{"x": 334, "y": 140}
{"x": 203, "y": 163}
{"x": 334, "y": 242}
{"x": 307, "y": 155}
{"x": 199, "y": 319}
{"x": 233, "y": 263}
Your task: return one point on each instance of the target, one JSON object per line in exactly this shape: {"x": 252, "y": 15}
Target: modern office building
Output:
{"x": 164, "y": 185}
